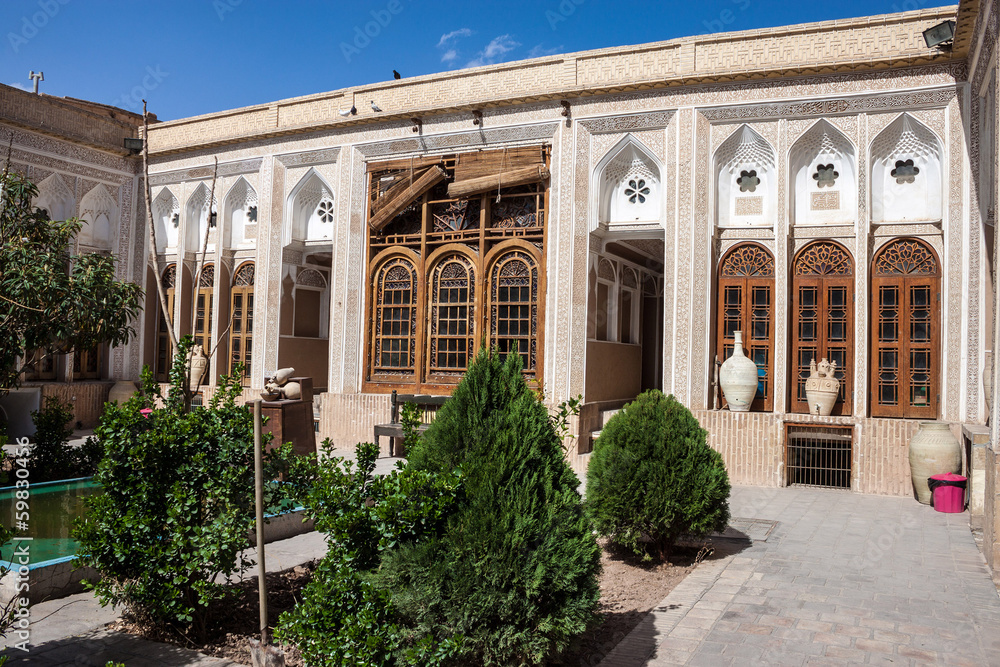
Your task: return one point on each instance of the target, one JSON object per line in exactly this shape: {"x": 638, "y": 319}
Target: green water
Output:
{"x": 52, "y": 510}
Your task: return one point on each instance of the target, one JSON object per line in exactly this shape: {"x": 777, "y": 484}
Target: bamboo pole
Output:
{"x": 506, "y": 179}
{"x": 432, "y": 177}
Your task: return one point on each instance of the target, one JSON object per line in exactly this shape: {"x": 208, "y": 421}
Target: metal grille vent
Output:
{"x": 819, "y": 455}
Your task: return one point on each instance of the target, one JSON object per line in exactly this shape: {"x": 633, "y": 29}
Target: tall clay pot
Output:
{"x": 197, "y": 365}
{"x": 121, "y": 392}
{"x": 738, "y": 378}
{"x": 933, "y": 451}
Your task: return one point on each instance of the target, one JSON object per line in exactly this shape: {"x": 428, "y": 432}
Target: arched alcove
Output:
{"x": 98, "y": 210}
{"x": 746, "y": 180}
{"x": 907, "y": 182}
{"x": 629, "y": 186}
{"x": 167, "y": 217}
{"x": 240, "y": 215}
{"x": 56, "y": 198}
{"x": 196, "y": 217}
{"x": 823, "y": 168}
{"x": 311, "y": 211}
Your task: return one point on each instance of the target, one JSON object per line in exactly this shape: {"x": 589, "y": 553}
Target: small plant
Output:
{"x": 51, "y": 457}
{"x": 652, "y": 477}
{"x": 178, "y": 502}
{"x": 410, "y": 419}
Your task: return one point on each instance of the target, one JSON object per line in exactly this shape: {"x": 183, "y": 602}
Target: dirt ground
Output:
{"x": 629, "y": 589}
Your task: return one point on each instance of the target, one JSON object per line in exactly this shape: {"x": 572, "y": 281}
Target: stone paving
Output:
{"x": 843, "y": 579}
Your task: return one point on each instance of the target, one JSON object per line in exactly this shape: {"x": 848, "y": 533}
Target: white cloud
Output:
{"x": 539, "y": 50}
{"x": 451, "y": 55}
{"x": 450, "y": 36}
{"x": 19, "y": 85}
{"x": 494, "y": 51}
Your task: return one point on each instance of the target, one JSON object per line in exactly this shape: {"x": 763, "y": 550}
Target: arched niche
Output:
{"x": 98, "y": 210}
{"x": 823, "y": 167}
{"x": 629, "y": 186}
{"x": 197, "y": 217}
{"x": 311, "y": 211}
{"x": 907, "y": 183}
{"x": 167, "y": 218}
{"x": 56, "y": 198}
{"x": 240, "y": 215}
{"x": 746, "y": 180}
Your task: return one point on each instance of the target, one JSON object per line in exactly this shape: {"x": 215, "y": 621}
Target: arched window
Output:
{"x": 394, "y": 319}
{"x": 203, "y": 309}
{"x": 452, "y": 308}
{"x": 513, "y": 300}
{"x": 906, "y": 313}
{"x": 746, "y": 304}
{"x": 241, "y": 331}
{"x": 822, "y": 322}
{"x": 164, "y": 350}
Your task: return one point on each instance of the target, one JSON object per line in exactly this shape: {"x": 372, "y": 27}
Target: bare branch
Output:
{"x": 154, "y": 258}
{"x": 204, "y": 242}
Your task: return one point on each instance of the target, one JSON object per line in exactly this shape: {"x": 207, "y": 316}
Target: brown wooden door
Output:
{"x": 822, "y": 319}
{"x": 746, "y": 304}
{"x": 906, "y": 314}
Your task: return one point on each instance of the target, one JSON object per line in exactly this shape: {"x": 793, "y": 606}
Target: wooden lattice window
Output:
{"x": 39, "y": 365}
{"x": 164, "y": 350}
{"x": 513, "y": 295}
{"x": 241, "y": 330}
{"x": 203, "y": 308}
{"x": 87, "y": 363}
{"x": 452, "y": 309}
{"x": 746, "y": 304}
{"x": 438, "y": 227}
{"x": 822, "y": 320}
{"x": 394, "y": 334}
{"x": 906, "y": 313}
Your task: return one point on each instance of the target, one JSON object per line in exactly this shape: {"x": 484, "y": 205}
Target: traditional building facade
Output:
{"x": 615, "y": 216}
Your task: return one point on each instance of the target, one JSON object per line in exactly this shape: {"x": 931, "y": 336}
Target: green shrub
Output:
{"x": 345, "y": 619}
{"x": 653, "y": 477}
{"x": 514, "y": 572}
{"x": 178, "y": 501}
{"x": 51, "y": 457}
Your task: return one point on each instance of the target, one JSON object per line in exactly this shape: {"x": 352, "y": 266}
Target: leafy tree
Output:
{"x": 50, "y": 299}
{"x": 178, "y": 501}
{"x": 514, "y": 571}
{"x": 652, "y": 477}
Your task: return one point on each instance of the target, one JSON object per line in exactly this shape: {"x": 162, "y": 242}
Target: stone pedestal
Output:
{"x": 976, "y": 439}
{"x": 292, "y": 420}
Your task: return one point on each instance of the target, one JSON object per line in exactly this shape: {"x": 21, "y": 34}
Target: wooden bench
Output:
{"x": 394, "y": 429}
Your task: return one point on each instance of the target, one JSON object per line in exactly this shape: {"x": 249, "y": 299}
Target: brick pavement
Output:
{"x": 843, "y": 579}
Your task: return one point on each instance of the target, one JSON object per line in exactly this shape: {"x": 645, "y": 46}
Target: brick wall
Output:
{"x": 90, "y": 399}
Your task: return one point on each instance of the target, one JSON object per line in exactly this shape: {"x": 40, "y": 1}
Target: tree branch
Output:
{"x": 154, "y": 258}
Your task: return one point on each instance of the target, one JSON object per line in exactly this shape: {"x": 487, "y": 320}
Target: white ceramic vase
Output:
{"x": 121, "y": 392}
{"x": 933, "y": 451}
{"x": 822, "y": 388}
{"x": 197, "y": 365}
{"x": 738, "y": 378}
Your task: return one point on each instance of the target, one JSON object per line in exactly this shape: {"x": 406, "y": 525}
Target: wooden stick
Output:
{"x": 508, "y": 179}
{"x": 167, "y": 316}
{"x": 434, "y": 175}
{"x": 258, "y": 469}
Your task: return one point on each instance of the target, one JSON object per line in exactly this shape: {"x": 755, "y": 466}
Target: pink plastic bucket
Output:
{"x": 948, "y": 492}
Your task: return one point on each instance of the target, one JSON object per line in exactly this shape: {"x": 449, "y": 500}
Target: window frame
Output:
{"x": 162, "y": 363}
{"x": 905, "y": 283}
{"x": 823, "y": 283}
{"x": 205, "y": 290}
{"x": 238, "y": 339}
{"x": 746, "y": 282}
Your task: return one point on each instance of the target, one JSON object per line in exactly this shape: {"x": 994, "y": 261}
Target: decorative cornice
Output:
{"x": 199, "y": 173}
{"x": 322, "y": 156}
{"x": 472, "y": 139}
{"x": 639, "y": 121}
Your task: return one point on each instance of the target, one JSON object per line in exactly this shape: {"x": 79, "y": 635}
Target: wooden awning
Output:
{"x": 392, "y": 204}
{"x": 504, "y": 179}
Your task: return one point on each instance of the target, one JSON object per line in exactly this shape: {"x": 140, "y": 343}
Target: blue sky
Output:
{"x": 189, "y": 57}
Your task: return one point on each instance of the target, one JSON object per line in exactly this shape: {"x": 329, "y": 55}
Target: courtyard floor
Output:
{"x": 840, "y": 579}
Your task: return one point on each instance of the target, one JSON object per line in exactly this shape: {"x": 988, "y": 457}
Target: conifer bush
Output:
{"x": 515, "y": 570}
{"x": 652, "y": 477}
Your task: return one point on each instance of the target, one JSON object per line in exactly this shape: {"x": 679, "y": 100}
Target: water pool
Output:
{"x": 53, "y": 508}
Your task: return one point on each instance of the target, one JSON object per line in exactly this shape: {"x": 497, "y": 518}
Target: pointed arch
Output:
{"x": 310, "y": 210}
{"x": 628, "y": 185}
{"x": 98, "y": 212}
{"x": 56, "y": 198}
{"x": 746, "y": 180}
{"x": 240, "y": 215}
{"x": 167, "y": 218}
{"x": 241, "y": 330}
{"x": 823, "y": 170}
{"x": 907, "y": 172}
{"x": 197, "y": 217}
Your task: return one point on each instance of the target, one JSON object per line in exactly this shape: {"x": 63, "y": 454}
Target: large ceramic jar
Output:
{"x": 121, "y": 392}
{"x": 197, "y": 364}
{"x": 738, "y": 378}
{"x": 933, "y": 451}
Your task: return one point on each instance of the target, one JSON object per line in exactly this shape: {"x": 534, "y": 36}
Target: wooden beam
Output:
{"x": 428, "y": 180}
{"x": 507, "y": 179}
